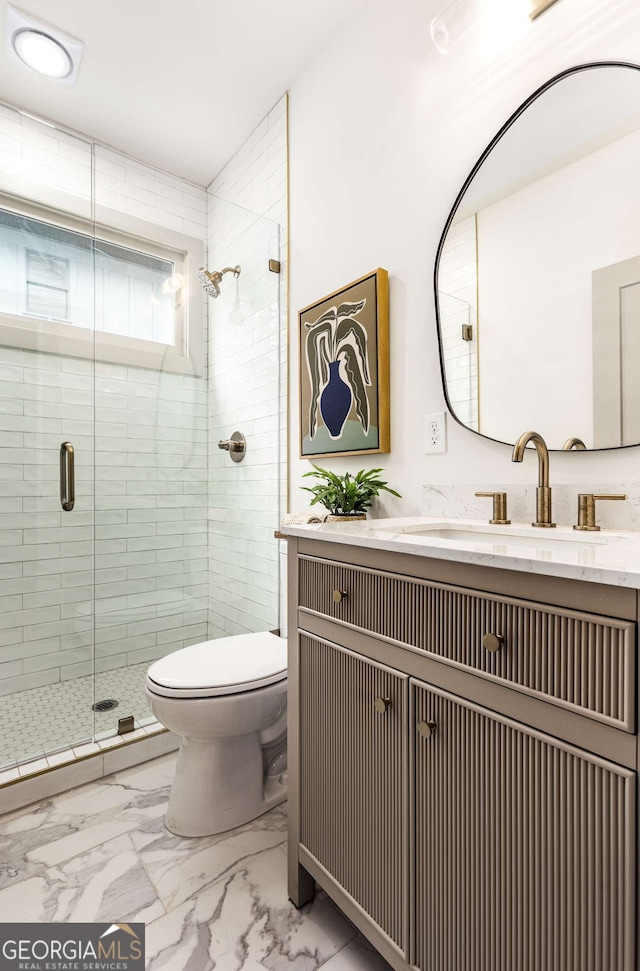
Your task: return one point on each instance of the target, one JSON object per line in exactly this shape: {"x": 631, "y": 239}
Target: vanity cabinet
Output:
{"x": 468, "y": 803}
{"x": 353, "y": 778}
{"x": 521, "y": 847}
{"x": 577, "y": 660}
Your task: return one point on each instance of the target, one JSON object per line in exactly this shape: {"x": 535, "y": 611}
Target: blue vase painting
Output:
{"x": 335, "y": 401}
{"x": 344, "y": 370}
{"x": 338, "y": 338}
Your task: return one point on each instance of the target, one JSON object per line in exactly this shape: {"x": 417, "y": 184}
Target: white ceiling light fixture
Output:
{"x": 42, "y": 53}
{"x": 45, "y": 49}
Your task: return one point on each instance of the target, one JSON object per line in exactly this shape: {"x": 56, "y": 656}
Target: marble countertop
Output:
{"x": 609, "y": 556}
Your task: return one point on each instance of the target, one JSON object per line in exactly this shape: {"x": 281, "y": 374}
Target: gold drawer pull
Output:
{"x": 493, "y": 642}
{"x": 382, "y": 705}
{"x": 426, "y": 729}
{"x": 339, "y": 596}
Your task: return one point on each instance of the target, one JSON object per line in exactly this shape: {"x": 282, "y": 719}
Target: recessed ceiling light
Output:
{"x": 42, "y": 47}
{"x": 42, "y": 53}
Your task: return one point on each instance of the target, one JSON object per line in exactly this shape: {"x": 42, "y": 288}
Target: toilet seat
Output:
{"x": 226, "y": 666}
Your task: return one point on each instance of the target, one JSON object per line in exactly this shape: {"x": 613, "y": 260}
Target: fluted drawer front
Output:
{"x": 580, "y": 661}
{"x": 525, "y": 848}
{"x": 353, "y": 767}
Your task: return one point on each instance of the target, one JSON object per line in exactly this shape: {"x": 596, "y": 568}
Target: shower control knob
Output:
{"x": 426, "y": 729}
{"x": 236, "y": 446}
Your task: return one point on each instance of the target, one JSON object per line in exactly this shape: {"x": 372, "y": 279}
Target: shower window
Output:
{"x": 119, "y": 296}
{"x": 137, "y": 295}
{"x": 47, "y": 286}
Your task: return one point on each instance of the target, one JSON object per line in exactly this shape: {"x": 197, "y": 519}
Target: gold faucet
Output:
{"x": 543, "y": 492}
{"x": 576, "y": 443}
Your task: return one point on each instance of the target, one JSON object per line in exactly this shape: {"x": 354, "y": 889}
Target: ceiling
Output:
{"x": 180, "y": 85}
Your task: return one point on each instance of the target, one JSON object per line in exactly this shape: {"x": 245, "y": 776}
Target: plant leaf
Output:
{"x": 357, "y": 383}
{"x": 346, "y": 493}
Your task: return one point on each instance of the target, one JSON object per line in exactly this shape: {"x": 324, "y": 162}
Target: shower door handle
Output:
{"x": 67, "y": 477}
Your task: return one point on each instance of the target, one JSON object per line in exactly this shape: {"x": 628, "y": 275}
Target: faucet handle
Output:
{"x": 587, "y": 511}
{"x": 499, "y": 507}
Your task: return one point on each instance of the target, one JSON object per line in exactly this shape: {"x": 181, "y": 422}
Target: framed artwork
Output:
{"x": 344, "y": 370}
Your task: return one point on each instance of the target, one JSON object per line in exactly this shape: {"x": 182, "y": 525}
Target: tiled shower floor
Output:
{"x": 58, "y": 716}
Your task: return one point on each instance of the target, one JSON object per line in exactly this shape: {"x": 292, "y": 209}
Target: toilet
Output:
{"x": 227, "y": 700}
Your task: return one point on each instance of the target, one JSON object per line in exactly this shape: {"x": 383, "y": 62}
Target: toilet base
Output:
{"x": 221, "y": 784}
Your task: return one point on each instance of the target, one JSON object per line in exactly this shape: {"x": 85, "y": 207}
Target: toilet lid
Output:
{"x": 224, "y": 666}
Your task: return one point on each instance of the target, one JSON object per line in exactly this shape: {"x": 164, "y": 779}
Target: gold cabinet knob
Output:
{"x": 339, "y": 596}
{"x": 493, "y": 642}
{"x": 426, "y": 729}
{"x": 382, "y": 705}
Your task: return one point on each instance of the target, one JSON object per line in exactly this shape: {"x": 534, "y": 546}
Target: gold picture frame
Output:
{"x": 343, "y": 370}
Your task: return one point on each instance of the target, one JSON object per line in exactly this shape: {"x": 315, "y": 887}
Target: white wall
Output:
{"x": 532, "y": 336}
{"x": 247, "y": 359}
{"x": 383, "y": 132}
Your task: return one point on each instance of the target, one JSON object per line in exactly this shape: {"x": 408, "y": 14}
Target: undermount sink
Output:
{"x": 511, "y": 536}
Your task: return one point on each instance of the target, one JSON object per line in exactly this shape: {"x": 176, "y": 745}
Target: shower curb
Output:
{"x": 23, "y": 791}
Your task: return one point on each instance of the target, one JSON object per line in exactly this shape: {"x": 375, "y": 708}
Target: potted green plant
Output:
{"x": 346, "y": 496}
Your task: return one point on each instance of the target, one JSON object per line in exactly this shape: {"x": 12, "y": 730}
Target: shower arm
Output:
{"x": 231, "y": 269}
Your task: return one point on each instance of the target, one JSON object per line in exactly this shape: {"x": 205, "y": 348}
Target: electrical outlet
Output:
{"x": 435, "y": 433}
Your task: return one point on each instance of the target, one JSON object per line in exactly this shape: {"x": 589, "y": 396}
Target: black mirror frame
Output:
{"x": 590, "y": 66}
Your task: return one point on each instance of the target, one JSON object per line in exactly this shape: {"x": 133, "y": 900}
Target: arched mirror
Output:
{"x": 538, "y": 269}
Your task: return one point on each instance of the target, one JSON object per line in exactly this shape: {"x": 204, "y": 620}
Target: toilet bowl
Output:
{"x": 227, "y": 700}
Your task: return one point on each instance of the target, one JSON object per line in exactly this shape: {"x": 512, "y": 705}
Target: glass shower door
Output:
{"x": 246, "y": 351}
{"x": 151, "y": 438}
{"x": 46, "y": 443}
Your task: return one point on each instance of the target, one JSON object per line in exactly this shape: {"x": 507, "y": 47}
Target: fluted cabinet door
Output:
{"x": 525, "y": 850}
{"x": 354, "y": 785}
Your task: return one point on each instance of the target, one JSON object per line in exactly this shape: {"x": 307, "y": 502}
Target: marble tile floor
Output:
{"x": 101, "y": 852}
{"x": 39, "y": 721}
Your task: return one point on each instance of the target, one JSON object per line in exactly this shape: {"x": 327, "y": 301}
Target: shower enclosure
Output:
{"x": 124, "y": 535}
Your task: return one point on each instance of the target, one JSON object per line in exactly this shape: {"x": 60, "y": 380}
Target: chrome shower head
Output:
{"x": 210, "y": 279}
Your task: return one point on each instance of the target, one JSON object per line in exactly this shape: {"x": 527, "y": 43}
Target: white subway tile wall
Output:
{"x": 247, "y": 366}
{"x": 458, "y": 297}
{"x": 151, "y": 591}
{"x": 142, "y": 433}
